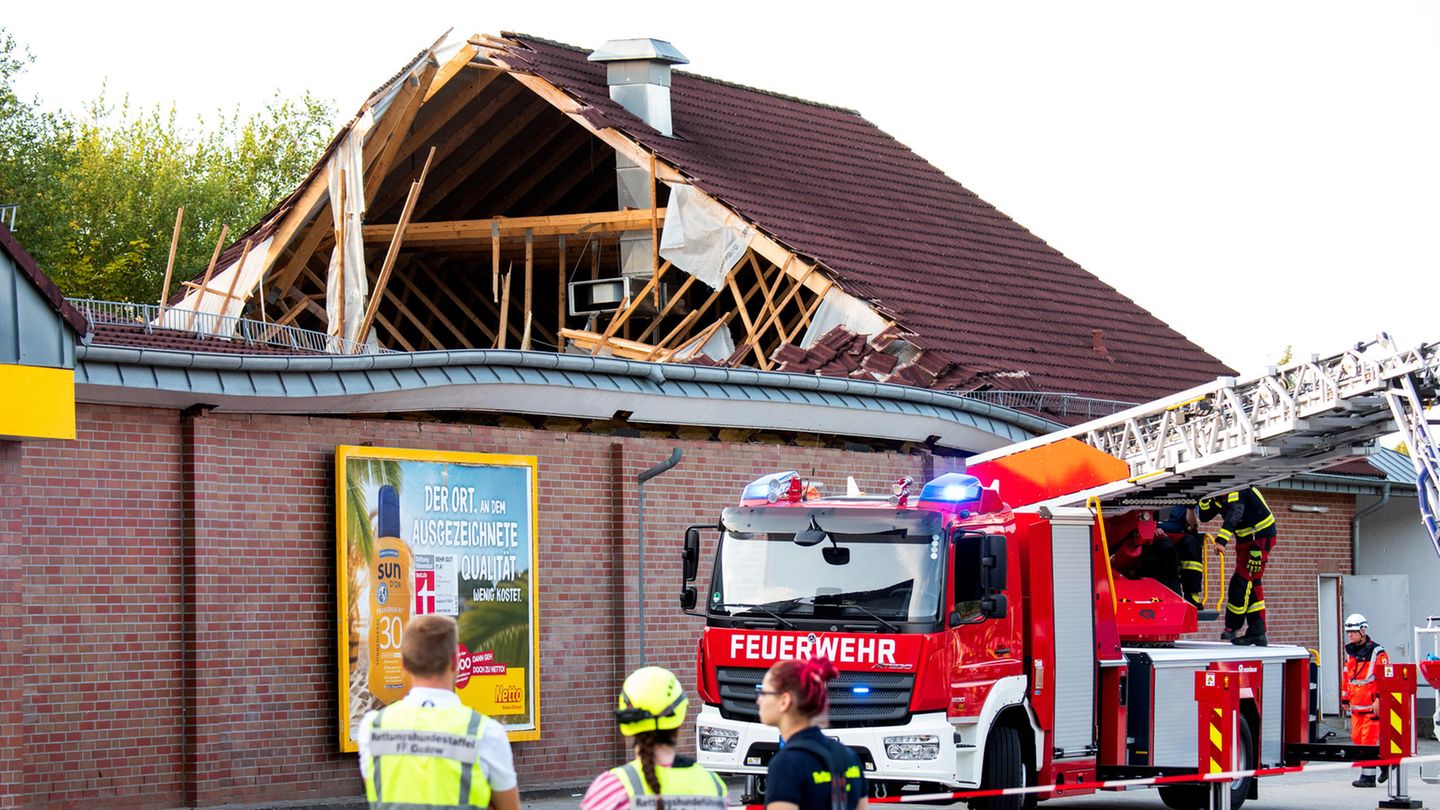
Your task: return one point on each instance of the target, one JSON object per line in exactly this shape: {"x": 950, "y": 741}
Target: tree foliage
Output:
{"x": 98, "y": 190}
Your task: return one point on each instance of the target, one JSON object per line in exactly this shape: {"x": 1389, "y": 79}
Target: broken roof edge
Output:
{"x": 270, "y": 222}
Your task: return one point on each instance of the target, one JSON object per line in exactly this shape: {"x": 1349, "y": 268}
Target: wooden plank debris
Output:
{"x": 170, "y": 262}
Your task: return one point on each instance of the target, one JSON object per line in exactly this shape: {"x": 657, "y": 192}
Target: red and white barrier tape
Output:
{"x": 1224, "y": 776}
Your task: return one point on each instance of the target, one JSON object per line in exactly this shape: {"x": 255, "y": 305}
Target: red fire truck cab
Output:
{"x": 980, "y": 645}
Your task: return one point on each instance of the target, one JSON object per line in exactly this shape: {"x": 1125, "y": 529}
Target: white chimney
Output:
{"x": 638, "y": 72}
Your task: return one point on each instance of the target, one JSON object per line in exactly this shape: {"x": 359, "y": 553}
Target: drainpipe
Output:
{"x": 658, "y": 469}
{"x": 1355, "y": 525}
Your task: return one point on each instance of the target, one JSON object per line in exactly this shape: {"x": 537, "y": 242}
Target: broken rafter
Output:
{"x": 390, "y": 255}
{"x": 622, "y": 315}
{"x": 394, "y": 125}
{"x": 675, "y": 298}
{"x": 451, "y": 68}
{"x": 749, "y": 339}
{"x": 170, "y": 262}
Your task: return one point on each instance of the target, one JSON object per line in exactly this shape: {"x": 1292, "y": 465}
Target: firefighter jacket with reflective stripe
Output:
{"x": 1245, "y": 514}
{"x": 426, "y": 756}
{"x": 1357, "y": 685}
{"x": 685, "y": 786}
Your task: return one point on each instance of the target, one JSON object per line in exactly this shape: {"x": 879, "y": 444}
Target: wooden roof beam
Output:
{"x": 479, "y": 230}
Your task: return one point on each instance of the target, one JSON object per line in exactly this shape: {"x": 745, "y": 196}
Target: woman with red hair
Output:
{"x": 812, "y": 771}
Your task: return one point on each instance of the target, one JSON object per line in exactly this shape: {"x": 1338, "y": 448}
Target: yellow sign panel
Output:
{"x": 40, "y": 403}
{"x": 455, "y": 534}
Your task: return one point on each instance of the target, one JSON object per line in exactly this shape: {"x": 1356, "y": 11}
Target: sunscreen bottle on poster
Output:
{"x": 390, "y": 572}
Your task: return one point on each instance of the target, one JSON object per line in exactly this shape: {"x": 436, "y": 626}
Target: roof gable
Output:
{"x": 37, "y": 325}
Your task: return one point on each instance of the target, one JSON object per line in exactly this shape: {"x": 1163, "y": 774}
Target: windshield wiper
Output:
{"x": 780, "y": 620}
{"x": 872, "y": 614}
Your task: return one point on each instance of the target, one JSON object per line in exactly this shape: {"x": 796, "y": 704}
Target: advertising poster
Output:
{"x": 422, "y": 531}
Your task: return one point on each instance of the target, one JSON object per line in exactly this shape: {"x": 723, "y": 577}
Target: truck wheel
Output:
{"x": 1197, "y": 797}
{"x": 1003, "y": 768}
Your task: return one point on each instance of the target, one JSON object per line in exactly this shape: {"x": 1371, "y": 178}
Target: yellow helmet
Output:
{"x": 651, "y": 699}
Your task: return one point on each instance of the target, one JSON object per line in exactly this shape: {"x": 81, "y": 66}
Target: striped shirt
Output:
{"x": 607, "y": 792}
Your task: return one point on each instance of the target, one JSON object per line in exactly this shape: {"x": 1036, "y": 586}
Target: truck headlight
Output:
{"x": 913, "y": 746}
{"x": 718, "y": 740}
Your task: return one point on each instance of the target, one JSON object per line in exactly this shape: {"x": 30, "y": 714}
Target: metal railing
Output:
{"x": 1064, "y": 405}
{"x": 150, "y": 318}
{"x": 7, "y": 215}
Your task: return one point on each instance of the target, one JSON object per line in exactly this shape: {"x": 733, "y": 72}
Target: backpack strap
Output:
{"x": 826, "y": 755}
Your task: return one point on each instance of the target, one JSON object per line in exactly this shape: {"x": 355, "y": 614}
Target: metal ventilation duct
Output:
{"x": 638, "y": 72}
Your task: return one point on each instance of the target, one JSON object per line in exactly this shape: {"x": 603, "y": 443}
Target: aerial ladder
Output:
{"x": 1246, "y": 431}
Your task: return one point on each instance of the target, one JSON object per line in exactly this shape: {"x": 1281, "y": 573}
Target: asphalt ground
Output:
{"x": 1318, "y": 790}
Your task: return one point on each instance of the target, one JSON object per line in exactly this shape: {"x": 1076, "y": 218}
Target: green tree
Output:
{"x": 98, "y": 191}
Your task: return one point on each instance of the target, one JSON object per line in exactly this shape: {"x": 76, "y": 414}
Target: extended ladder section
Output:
{"x": 1238, "y": 432}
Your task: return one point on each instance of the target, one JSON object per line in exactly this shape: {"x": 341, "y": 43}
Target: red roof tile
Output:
{"x": 969, "y": 281}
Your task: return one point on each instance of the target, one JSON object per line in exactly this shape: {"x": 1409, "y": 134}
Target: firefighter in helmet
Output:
{"x": 651, "y": 710}
{"x": 1248, "y": 521}
{"x": 1358, "y": 695}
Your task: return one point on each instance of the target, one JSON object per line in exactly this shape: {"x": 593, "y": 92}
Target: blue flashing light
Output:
{"x": 761, "y": 488}
{"x": 952, "y": 488}
{"x": 860, "y": 690}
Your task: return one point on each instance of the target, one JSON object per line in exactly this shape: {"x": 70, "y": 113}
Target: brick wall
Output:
{"x": 180, "y": 595}
{"x": 102, "y": 591}
{"x": 13, "y": 744}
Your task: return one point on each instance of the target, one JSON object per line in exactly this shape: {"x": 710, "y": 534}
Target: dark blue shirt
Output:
{"x": 792, "y": 777}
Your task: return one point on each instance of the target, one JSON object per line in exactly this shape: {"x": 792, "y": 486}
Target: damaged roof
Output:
{"x": 964, "y": 278}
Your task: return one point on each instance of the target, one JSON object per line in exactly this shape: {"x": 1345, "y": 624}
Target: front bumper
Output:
{"x": 758, "y": 743}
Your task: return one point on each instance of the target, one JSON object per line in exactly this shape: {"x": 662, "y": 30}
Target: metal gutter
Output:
{"x": 104, "y": 371}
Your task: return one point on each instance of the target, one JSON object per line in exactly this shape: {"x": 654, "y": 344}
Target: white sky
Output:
{"x": 1281, "y": 155}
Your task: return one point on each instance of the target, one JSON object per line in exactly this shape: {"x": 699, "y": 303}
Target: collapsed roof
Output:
{"x": 703, "y": 221}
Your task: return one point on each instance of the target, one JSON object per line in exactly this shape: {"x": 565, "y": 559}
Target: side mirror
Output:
{"x": 687, "y": 599}
{"x": 993, "y": 606}
{"x": 992, "y": 562}
{"x": 691, "y": 554}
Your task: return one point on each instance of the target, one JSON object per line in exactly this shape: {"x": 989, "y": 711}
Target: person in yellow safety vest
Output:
{"x": 1248, "y": 521}
{"x": 651, "y": 709}
{"x": 1358, "y": 694}
{"x": 428, "y": 749}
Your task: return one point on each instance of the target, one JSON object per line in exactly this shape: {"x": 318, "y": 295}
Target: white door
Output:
{"x": 1384, "y": 599}
{"x": 1330, "y": 643}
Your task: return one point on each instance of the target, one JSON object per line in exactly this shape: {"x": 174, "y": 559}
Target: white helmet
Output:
{"x": 1356, "y": 621}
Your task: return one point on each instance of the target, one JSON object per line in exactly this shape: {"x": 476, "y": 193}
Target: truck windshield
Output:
{"x": 880, "y": 565}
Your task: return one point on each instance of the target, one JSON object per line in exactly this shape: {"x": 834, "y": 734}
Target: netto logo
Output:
{"x": 509, "y": 694}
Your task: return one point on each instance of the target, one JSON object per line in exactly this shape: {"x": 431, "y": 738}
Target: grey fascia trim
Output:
{"x": 1343, "y": 484}
{"x": 301, "y": 378}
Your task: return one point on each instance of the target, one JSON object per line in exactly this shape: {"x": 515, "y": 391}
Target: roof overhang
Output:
{"x": 537, "y": 383}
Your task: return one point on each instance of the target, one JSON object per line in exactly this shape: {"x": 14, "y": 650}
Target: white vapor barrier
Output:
{"x": 840, "y": 309}
{"x": 701, "y": 236}
{"x": 349, "y": 162}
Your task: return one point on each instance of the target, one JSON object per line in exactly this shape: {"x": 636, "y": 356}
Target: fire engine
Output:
{"x": 984, "y": 636}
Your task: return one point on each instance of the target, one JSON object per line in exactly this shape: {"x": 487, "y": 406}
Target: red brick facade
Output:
{"x": 179, "y": 629}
